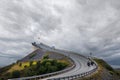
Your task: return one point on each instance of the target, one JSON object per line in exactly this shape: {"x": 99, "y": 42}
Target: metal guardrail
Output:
{"x": 74, "y": 76}
{"x": 47, "y": 75}
{"x": 77, "y": 75}
{"x": 59, "y": 72}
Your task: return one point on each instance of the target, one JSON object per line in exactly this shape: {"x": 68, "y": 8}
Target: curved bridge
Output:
{"x": 79, "y": 69}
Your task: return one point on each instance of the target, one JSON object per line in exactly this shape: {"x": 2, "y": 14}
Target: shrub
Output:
{"x": 2, "y": 79}
{"x": 20, "y": 64}
{"x": 46, "y": 57}
{"x": 61, "y": 65}
{"x": 32, "y": 55}
{"x": 17, "y": 61}
{"x": 31, "y": 62}
{"x": 15, "y": 74}
{"x": 54, "y": 62}
{"x": 46, "y": 66}
{"x": 25, "y": 66}
{"x": 43, "y": 67}
{"x": 111, "y": 72}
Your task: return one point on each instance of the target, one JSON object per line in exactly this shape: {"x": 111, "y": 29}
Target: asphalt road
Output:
{"x": 80, "y": 62}
{"x": 81, "y": 66}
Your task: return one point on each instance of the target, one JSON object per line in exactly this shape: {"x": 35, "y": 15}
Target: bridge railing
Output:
{"x": 76, "y": 76}
{"x": 59, "y": 72}
{"x": 49, "y": 74}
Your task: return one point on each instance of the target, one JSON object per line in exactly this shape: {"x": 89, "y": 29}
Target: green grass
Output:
{"x": 104, "y": 64}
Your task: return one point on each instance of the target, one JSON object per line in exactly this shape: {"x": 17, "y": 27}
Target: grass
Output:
{"x": 4, "y": 69}
{"x": 102, "y": 63}
{"x": 18, "y": 67}
{"x": 15, "y": 67}
{"x": 65, "y": 60}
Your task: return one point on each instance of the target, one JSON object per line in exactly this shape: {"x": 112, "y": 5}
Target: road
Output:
{"x": 81, "y": 66}
{"x": 80, "y": 62}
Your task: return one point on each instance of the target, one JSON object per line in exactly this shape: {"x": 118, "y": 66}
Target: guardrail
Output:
{"x": 77, "y": 75}
{"x": 49, "y": 74}
{"x": 59, "y": 72}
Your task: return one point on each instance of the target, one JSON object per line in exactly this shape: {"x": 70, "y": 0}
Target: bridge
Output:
{"x": 79, "y": 69}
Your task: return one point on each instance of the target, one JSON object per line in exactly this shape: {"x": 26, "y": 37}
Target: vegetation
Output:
{"x": 20, "y": 64}
{"x": 104, "y": 64}
{"x": 15, "y": 74}
{"x": 32, "y": 68}
{"x": 43, "y": 67}
{"x": 46, "y": 57}
{"x": 4, "y": 69}
{"x": 32, "y": 55}
{"x": 31, "y": 63}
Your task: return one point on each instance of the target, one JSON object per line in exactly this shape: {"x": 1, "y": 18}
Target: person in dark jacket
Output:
{"x": 88, "y": 64}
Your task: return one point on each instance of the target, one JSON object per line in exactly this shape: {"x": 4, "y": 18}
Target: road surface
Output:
{"x": 81, "y": 66}
{"x": 80, "y": 62}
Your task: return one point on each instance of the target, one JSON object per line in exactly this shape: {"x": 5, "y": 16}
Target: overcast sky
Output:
{"x": 82, "y": 26}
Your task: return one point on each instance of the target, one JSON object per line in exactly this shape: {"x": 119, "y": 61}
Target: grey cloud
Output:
{"x": 82, "y": 26}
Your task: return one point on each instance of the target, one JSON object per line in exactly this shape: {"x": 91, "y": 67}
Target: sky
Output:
{"x": 82, "y": 26}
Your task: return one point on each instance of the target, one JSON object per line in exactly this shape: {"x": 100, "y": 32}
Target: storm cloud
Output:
{"x": 82, "y": 26}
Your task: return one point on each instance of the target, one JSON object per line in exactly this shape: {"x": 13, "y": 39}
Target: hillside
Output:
{"x": 51, "y": 62}
{"x": 39, "y": 53}
{"x": 35, "y": 55}
{"x": 105, "y": 72}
